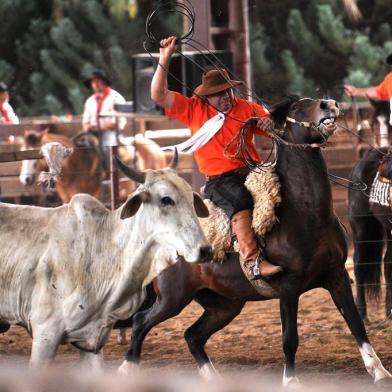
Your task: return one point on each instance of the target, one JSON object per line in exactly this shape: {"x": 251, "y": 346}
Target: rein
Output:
{"x": 306, "y": 124}
{"x": 241, "y": 145}
{"x": 243, "y": 152}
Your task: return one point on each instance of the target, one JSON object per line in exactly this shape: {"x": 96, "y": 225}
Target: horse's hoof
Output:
{"x": 209, "y": 373}
{"x": 292, "y": 384}
{"x": 128, "y": 369}
{"x": 385, "y": 382}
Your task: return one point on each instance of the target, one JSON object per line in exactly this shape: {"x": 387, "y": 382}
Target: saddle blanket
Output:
{"x": 380, "y": 191}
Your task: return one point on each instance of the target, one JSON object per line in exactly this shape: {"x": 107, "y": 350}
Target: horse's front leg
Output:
{"x": 288, "y": 315}
{"x": 340, "y": 290}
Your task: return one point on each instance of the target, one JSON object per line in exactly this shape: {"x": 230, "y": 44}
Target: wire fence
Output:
{"x": 341, "y": 157}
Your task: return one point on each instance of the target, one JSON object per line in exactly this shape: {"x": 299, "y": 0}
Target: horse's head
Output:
{"x": 306, "y": 120}
{"x": 31, "y": 168}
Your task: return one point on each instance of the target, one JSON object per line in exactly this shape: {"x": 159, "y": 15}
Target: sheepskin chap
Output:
{"x": 265, "y": 190}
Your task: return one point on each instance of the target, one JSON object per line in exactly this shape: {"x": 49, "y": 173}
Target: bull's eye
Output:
{"x": 167, "y": 201}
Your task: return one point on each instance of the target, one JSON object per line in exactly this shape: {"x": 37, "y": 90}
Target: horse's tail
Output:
{"x": 368, "y": 238}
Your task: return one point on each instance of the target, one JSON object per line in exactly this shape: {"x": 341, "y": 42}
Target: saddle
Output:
{"x": 265, "y": 190}
{"x": 380, "y": 192}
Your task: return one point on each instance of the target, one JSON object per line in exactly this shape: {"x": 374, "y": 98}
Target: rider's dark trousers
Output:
{"x": 228, "y": 192}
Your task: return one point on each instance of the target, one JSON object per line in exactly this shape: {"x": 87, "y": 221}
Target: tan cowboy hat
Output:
{"x": 215, "y": 81}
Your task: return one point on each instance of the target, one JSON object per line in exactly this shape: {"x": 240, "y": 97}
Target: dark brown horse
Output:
{"x": 308, "y": 242}
{"x": 371, "y": 224}
{"x": 81, "y": 171}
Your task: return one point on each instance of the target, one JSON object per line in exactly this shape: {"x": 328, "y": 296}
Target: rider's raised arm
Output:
{"x": 159, "y": 88}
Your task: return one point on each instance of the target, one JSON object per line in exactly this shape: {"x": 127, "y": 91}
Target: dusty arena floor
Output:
{"x": 251, "y": 343}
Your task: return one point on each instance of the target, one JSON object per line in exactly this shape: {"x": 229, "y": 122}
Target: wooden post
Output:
{"x": 239, "y": 39}
{"x": 114, "y": 183}
{"x": 12, "y": 156}
{"x": 202, "y": 23}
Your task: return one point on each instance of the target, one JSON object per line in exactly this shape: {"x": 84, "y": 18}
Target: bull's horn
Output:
{"x": 174, "y": 162}
{"x": 131, "y": 173}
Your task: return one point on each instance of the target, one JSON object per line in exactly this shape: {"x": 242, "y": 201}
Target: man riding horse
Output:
{"x": 214, "y": 116}
{"x": 381, "y": 92}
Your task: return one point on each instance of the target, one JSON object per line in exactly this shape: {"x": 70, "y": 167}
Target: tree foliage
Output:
{"x": 50, "y": 46}
{"x": 314, "y": 47}
{"x": 309, "y": 47}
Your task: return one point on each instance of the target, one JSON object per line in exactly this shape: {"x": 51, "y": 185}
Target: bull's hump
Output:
{"x": 87, "y": 204}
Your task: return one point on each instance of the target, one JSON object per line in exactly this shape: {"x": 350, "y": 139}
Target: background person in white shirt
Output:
{"x": 7, "y": 114}
{"x": 102, "y": 101}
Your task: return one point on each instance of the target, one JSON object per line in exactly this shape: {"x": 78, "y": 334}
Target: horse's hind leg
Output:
{"x": 340, "y": 290}
{"x": 368, "y": 244}
{"x": 388, "y": 277}
{"x": 218, "y": 312}
{"x": 288, "y": 315}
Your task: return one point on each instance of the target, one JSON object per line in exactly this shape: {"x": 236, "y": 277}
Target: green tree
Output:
{"x": 314, "y": 47}
{"x": 57, "y": 43}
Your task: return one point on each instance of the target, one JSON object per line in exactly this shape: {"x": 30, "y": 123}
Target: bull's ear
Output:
{"x": 133, "y": 204}
{"x": 200, "y": 207}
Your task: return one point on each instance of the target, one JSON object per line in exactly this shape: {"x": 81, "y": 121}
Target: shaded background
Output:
{"x": 308, "y": 47}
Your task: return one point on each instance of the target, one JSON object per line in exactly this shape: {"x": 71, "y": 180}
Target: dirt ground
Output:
{"x": 251, "y": 343}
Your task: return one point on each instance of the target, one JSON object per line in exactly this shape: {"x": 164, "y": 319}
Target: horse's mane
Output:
{"x": 280, "y": 109}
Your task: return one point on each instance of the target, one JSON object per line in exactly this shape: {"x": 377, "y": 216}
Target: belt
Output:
{"x": 241, "y": 170}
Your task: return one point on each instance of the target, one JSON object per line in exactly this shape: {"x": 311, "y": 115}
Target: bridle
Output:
{"x": 307, "y": 124}
{"x": 243, "y": 152}
{"x": 304, "y": 124}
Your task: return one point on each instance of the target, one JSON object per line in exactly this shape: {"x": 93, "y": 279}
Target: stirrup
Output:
{"x": 256, "y": 269}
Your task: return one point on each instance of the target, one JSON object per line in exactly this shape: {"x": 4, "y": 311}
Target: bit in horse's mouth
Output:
{"x": 327, "y": 120}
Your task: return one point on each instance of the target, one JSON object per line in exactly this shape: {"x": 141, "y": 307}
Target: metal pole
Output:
{"x": 114, "y": 183}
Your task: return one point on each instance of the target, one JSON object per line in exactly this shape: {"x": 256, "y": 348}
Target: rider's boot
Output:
{"x": 256, "y": 266}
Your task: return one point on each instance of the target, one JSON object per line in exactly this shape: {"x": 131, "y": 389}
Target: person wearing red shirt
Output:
{"x": 382, "y": 92}
{"x": 102, "y": 101}
{"x": 215, "y": 115}
{"x": 7, "y": 114}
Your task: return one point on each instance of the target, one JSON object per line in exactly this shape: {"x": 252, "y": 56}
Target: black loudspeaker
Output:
{"x": 187, "y": 70}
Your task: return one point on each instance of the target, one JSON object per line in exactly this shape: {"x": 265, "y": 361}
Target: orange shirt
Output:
{"x": 193, "y": 112}
{"x": 384, "y": 89}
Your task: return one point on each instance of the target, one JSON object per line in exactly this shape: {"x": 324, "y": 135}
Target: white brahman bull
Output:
{"x": 68, "y": 273}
